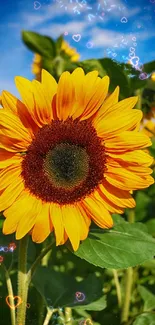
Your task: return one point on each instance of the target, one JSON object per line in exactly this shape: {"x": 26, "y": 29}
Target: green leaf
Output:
{"x": 148, "y": 297}
{"x": 145, "y": 319}
{"x": 117, "y": 219}
{"x": 59, "y": 43}
{"x": 93, "y": 64}
{"x": 123, "y": 246}
{"x": 117, "y": 76}
{"x": 40, "y": 44}
{"x": 149, "y": 67}
{"x": 97, "y": 305}
{"x": 59, "y": 289}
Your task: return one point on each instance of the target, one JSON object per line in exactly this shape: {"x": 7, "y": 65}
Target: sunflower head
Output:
{"x": 36, "y": 65}
{"x": 69, "y": 154}
{"x": 71, "y": 52}
{"x": 148, "y": 127}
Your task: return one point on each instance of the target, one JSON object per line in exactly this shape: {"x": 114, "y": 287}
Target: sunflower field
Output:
{"x": 77, "y": 193}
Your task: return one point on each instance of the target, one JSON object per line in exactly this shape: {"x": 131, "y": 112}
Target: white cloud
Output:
{"x": 54, "y": 30}
{"x": 107, "y": 38}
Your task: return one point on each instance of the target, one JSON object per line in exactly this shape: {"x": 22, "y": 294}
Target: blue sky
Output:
{"x": 119, "y": 29}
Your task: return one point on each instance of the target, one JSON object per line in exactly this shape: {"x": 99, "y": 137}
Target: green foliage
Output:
{"x": 142, "y": 205}
{"x": 123, "y": 246}
{"x": 145, "y": 319}
{"x": 40, "y": 44}
{"x": 59, "y": 290}
{"x": 148, "y": 298}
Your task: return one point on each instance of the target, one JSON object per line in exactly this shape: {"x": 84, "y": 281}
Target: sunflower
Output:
{"x": 69, "y": 155}
{"x": 37, "y": 65}
{"x": 70, "y": 51}
{"x": 148, "y": 127}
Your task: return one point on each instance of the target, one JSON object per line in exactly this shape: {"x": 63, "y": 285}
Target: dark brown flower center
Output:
{"x": 67, "y": 165}
{"x": 65, "y": 162}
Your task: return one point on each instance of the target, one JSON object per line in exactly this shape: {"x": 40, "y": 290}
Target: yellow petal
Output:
{"x": 11, "y": 126}
{"x": 65, "y": 97}
{"x": 97, "y": 98}
{"x": 71, "y": 223}
{"x": 8, "y": 158}
{"x": 43, "y": 226}
{"x": 43, "y": 109}
{"x": 119, "y": 197}
{"x": 107, "y": 106}
{"x": 108, "y": 205}
{"x": 14, "y": 105}
{"x": 137, "y": 157}
{"x": 56, "y": 219}
{"x": 9, "y": 175}
{"x": 117, "y": 123}
{"x": 49, "y": 84}
{"x": 126, "y": 180}
{"x": 11, "y": 193}
{"x": 97, "y": 211}
{"x": 127, "y": 141}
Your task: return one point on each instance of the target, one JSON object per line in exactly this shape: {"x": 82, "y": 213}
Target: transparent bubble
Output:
{"x": 124, "y": 20}
{"x": 37, "y": 5}
{"x": 143, "y": 76}
{"x": 80, "y": 296}
{"x": 134, "y": 61}
{"x": 89, "y": 45}
{"x": 76, "y": 37}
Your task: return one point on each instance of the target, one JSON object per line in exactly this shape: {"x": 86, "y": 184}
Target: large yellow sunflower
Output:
{"x": 68, "y": 155}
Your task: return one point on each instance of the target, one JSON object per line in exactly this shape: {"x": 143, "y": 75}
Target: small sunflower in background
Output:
{"x": 69, "y": 155}
{"x": 70, "y": 51}
{"x": 65, "y": 47}
{"x": 148, "y": 127}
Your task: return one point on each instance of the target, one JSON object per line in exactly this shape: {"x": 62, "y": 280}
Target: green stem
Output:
{"x": 131, "y": 216}
{"x": 138, "y": 93}
{"x": 61, "y": 318}
{"x": 22, "y": 280}
{"x": 128, "y": 289}
{"x": 118, "y": 288}
{"x": 11, "y": 295}
{"x": 128, "y": 281}
{"x": 44, "y": 262}
{"x": 48, "y": 316}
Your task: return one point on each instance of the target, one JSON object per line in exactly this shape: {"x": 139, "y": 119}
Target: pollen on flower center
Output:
{"x": 65, "y": 162}
{"x": 66, "y": 165}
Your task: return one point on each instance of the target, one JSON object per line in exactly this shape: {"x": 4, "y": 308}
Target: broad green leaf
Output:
{"x": 118, "y": 219}
{"x": 145, "y": 319}
{"x": 99, "y": 304}
{"x": 123, "y": 246}
{"x": 117, "y": 76}
{"x": 59, "y": 289}
{"x": 149, "y": 67}
{"x": 40, "y": 44}
{"x": 137, "y": 83}
{"x": 148, "y": 298}
{"x": 93, "y": 64}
